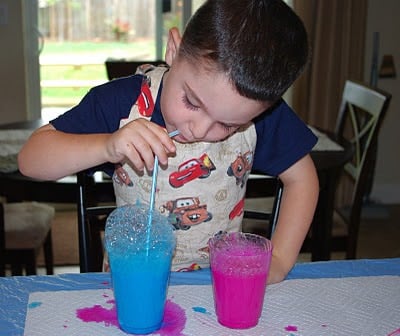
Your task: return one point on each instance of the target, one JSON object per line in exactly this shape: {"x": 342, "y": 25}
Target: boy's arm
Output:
{"x": 50, "y": 154}
{"x": 299, "y": 199}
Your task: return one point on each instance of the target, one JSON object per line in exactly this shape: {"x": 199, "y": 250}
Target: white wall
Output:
{"x": 19, "y": 64}
{"x": 383, "y": 18}
{"x": 12, "y": 72}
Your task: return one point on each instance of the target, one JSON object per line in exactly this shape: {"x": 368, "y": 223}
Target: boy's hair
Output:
{"x": 260, "y": 44}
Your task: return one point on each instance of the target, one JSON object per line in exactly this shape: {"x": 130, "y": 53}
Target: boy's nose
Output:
{"x": 200, "y": 128}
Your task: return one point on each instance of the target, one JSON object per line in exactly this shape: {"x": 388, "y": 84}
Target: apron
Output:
{"x": 202, "y": 190}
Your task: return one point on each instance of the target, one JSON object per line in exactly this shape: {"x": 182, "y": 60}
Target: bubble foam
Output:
{"x": 126, "y": 231}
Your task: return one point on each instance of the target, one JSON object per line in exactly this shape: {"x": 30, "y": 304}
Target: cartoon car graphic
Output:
{"x": 191, "y": 268}
{"x": 145, "y": 101}
{"x": 237, "y": 209}
{"x": 240, "y": 168}
{"x": 186, "y": 211}
{"x": 192, "y": 169}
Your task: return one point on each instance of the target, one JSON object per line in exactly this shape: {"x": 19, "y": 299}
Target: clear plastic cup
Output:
{"x": 239, "y": 267}
{"x": 140, "y": 263}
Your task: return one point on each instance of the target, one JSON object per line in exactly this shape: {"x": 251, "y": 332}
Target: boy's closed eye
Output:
{"x": 192, "y": 106}
{"x": 189, "y": 105}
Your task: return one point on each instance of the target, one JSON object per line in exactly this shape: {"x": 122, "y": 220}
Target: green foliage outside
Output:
{"x": 84, "y": 53}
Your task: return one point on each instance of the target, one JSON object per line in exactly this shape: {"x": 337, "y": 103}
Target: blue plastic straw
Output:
{"x": 153, "y": 192}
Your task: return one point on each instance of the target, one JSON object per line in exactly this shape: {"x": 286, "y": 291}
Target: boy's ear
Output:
{"x": 174, "y": 40}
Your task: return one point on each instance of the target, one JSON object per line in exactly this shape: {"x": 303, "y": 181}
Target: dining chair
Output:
{"x": 261, "y": 204}
{"x": 25, "y": 228}
{"x": 91, "y": 216}
{"x": 122, "y": 67}
{"x": 95, "y": 202}
{"x": 2, "y": 242}
{"x": 361, "y": 113}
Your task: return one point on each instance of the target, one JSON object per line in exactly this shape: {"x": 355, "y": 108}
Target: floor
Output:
{"x": 379, "y": 234}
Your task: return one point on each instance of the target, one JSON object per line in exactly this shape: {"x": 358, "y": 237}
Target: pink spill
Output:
{"x": 395, "y": 332}
{"x": 99, "y": 314}
{"x": 174, "y": 320}
{"x": 291, "y": 328}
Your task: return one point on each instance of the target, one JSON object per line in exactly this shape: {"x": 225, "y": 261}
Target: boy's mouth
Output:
{"x": 181, "y": 138}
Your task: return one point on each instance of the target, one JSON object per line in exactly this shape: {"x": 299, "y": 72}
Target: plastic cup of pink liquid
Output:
{"x": 239, "y": 267}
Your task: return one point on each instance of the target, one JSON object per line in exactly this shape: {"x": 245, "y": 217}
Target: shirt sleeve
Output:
{"x": 102, "y": 108}
{"x": 282, "y": 139}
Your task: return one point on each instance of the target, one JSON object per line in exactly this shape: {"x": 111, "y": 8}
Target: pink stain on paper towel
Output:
{"x": 99, "y": 314}
{"x": 173, "y": 323}
{"x": 291, "y": 328}
{"x": 174, "y": 320}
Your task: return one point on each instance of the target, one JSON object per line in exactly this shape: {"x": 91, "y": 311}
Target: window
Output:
{"x": 79, "y": 35}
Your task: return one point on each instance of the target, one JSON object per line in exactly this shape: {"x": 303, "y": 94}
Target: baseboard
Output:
{"x": 386, "y": 193}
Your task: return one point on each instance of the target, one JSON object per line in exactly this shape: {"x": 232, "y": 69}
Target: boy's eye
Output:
{"x": 188, "y": 103}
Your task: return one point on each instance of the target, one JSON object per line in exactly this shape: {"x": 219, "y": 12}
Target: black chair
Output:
{"x": 262, "y": 219}
{"x": 95, "y": 202}
{"x": 91, "y": 215}
{"x": 359, "y": 121}
{"x": 122, "y": 67}
{"x": 2, "y": 242}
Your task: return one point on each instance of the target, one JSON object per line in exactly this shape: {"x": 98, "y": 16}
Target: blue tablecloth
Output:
{"x": 15, "y": 290}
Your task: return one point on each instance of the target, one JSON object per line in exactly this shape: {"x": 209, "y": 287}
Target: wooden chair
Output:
{"x": 2, "y": 242}
{"x": 359, "y": 121}
{"x": 262, "y": 203}
{"x": 25, "y": 227}
{"x": 92, "y": 216}
{"x": 95, "y": 202}
{"x": 121, "y": 67}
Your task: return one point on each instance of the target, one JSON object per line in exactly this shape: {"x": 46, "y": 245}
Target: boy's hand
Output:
{"x": 139, "y": 142}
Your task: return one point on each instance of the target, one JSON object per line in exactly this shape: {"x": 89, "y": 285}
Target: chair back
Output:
{"x": 121, "y": 67}
{"x": 2, "y": 241}
{"x": 260, "y": 186}
{"x": 95, "y": 202}
{"x": 359, "y": 121}
{"x": 93, "y": 209}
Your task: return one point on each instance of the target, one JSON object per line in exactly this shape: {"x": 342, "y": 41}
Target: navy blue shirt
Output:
{"x": 282, "y": 137}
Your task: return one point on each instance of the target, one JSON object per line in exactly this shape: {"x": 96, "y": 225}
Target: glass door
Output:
{"x": 79, "y": 35}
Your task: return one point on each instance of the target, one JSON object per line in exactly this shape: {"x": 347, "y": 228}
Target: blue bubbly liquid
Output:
{"x": 140, "y": 262}
{"x": 140, "y": 288}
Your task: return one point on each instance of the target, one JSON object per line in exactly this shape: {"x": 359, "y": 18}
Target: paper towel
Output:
{"x": 347, "y": 306}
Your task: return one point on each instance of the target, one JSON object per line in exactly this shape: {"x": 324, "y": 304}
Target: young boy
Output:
{"x": 222, "y": 91}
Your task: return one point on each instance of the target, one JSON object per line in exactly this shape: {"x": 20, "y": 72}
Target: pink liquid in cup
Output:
{"x": 239, "y": 266}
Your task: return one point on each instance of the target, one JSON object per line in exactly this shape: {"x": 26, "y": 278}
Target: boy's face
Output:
{"x": 203, "y": 105}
